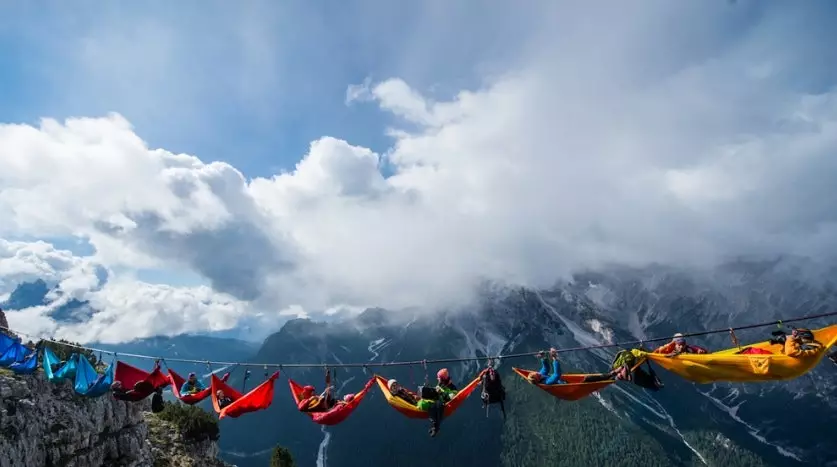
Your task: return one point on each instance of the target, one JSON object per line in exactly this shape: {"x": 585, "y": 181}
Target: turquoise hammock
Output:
{"x": 65, "y": 371}
{"x": 88, "y": 382}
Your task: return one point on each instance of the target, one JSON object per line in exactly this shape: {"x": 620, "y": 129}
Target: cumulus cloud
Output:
{"x": 611, "y": 145}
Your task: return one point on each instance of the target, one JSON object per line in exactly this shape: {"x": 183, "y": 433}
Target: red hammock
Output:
{"x": 257, "y": 399}
{"x": 573, "y": 388}
{"x": 177, "y": 383}
{"x": 129, "y": 376}
{"x": 338, "y": 413}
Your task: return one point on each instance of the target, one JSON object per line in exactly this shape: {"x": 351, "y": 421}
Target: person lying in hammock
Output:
{"x": 120, "y": 392}
{"x": 312, "y": 403}
{"x": 223, "y": 399}
{"x": 191, "y": 386}
{"x": 801, "y": 343}
{"x": 677, "y": 346}
{"x": 543, "y": 376}
{"x": 396, "y": 390}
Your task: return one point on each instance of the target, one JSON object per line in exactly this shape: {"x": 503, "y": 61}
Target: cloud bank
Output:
{"x": 611, "y": 144}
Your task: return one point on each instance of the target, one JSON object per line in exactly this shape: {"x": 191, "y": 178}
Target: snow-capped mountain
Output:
{"x": 684, "y": 424}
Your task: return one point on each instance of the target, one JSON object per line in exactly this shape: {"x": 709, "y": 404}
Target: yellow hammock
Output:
{"x": 411, "y": 411}
{"x": 729, "y": 366}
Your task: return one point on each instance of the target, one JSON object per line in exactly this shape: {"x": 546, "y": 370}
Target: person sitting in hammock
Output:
{"x": 543, "y": 376}
{"x": 677, "y": 346}
{"x": 396, "y": 390}
{"x": 191, "y": 386}
{"x": 433, "y": 400}
{"x": 223, "y": 399}
{"x": 312, "y": 403}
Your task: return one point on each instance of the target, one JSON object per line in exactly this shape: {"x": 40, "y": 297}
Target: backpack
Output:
{"x": 624, "y": 358}
{"x": 647, "y": 380}
{"x": 492, "y": 387}
{"x": 157, "y": 402}
{"x": 429, "y": 393}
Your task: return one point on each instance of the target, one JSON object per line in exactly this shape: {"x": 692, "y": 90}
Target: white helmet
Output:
{"x": 391, "y": 383}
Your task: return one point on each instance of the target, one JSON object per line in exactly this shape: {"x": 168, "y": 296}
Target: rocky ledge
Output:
{"x": 46, "y": 424}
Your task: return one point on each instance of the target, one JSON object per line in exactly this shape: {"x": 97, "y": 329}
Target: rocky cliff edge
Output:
{"x": 46, "y": 424}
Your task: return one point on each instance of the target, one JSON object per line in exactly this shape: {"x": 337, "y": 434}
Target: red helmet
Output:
{"x": 443, "y": 375}
{"x": 348, "y": 397}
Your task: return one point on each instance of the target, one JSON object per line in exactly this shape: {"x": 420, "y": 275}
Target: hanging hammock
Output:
{"x": 573, "y": 389}
{"x": 137, "y": 383}
{"x": 259, "y": 398}
{"x": 90, "y": 383}
{"x": 731, "y": 366}
{"x": 177, "y": 382}
{"x": 66, "y": 371}
{"x": 15, "y": 352}
{"x": 411, "y": 411}
{"x": 6, "y": 342}
{"x": 336, "y": 414}
{"x": 28, "y": 365}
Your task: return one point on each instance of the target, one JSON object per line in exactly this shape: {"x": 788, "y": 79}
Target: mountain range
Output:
{"x": 754, "y": 424}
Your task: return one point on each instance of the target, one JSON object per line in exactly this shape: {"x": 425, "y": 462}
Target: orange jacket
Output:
{"x": 793, "y": 348}
{"x": 669, "y": 348}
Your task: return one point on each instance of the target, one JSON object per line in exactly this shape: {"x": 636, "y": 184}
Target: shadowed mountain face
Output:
{"x": 684, "y": 424}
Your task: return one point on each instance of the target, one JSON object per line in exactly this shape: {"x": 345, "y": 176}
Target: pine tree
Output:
{"x": 282, "y": 458}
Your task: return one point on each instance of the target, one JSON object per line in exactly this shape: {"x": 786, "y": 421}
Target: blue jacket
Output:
{"x": 188, "y": 388}
{"x": 555, "y": 377}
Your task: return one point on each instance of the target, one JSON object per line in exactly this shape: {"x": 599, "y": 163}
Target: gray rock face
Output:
{"x": 46, "y": 424}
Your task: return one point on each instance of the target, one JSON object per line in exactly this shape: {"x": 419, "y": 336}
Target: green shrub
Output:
{"x": 194, "y": 424}
{"x": 282, "y": 458}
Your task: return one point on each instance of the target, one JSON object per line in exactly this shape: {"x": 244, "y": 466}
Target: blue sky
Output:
{"x": 252, "y": 83}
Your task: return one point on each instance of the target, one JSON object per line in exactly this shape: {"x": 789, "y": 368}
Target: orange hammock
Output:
{"x": 177, "y": 383}
{"x": 411, "y": 411}
{"x": 259, "y": 398}
{"x": 336, "y": 414}
{"x": 573, "y": 388}
{"x": 139, "y": 384}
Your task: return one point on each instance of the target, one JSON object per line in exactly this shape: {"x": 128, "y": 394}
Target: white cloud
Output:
{"x": 609, "y": 145}
{"x": 29, "y": 261}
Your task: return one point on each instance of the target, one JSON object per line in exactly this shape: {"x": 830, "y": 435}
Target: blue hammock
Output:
{"x": 5, "y": 342}
{"x": 28, "y": 365}
{"x": 90, "y": 383}
{"x": 66, "y": 371}
{"x": 14, "y": 353}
